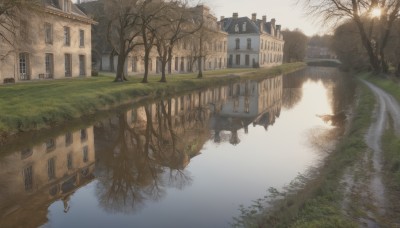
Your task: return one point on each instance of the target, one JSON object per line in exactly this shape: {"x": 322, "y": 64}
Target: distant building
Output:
{"x": 320, "y": 52}
{"x": 253, "y": 42}
{"x": 50, "y": 41}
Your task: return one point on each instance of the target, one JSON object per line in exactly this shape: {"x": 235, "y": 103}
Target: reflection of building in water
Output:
{"x": 35, "y": 177}
{"x": 257, "y": 102}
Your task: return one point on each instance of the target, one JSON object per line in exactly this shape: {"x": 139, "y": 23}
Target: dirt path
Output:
{"x": 365, "y": 196}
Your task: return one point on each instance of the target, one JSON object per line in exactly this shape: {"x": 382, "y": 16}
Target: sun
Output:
{"x": 376, "y": 12}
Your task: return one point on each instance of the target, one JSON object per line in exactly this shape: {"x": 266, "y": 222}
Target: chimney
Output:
{"x": 254, "y": 17}
{"x": 222, "y": 18}
{"x": 273, "y": 22}
{"x": 264, "y": 18}
{"x": 235, "y": 15}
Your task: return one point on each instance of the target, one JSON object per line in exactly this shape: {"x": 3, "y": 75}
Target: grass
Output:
{"x": 42, "y": 104}
{"x": 314, "y": 199}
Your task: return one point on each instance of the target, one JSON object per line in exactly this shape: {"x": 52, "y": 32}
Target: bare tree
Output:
{"x": 123, "y": 30}
{"x": 152, "y": 16}
{"x": 10, "y": 11}
{"x": 181, "y": 24}
{"x": 363, "y": 14}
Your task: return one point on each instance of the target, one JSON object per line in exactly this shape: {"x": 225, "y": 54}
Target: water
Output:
{"x": 186, "y": 161}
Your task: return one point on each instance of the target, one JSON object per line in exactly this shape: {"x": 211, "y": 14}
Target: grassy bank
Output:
{"x": 40, "y": 104}
{"x": 316, "y": 199}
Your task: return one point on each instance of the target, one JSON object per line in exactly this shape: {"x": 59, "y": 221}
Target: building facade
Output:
{"x": 51, "y": 41}
{"x": 253, "y": 42}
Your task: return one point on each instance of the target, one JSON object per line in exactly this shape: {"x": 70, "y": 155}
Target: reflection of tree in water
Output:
{"x": 142, "y": 158}
{"x": 292, "y": 88}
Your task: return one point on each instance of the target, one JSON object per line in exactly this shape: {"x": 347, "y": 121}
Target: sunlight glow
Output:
{"x": 376, "y": 12}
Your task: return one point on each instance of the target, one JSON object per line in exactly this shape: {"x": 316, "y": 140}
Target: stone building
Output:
{"x": 186, "y": 52}
{"x": 253, "y": 42}
{"x": 50, "y": 40}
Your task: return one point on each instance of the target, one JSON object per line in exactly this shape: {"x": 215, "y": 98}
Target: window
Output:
{"x": 67, "y": 36}
{"x": 182, "y": 64}
{"x": 69, "y": 161}
{"x": 238, "y": 60}
{"x": 85, "y": 151}
{"x": 81, "y": 38}
{"x": 83, "y": 135}
{"x": 49, "y": 64}
{"x": 230, "y": 60}
{"x": 237, "y": 43}
{"x": 134, "y": 64}
{"x": 176, "y": 63}
{"x": 247, "y": 60}
{"x": 66, "y": 7}
{"x": 50, "y": 145}
{"x": 82, "y": 65}
{"x": 24, "y": 66}
{"x": 68, "y": 139}
{"x": 68, "y": 65}
{"x": 51, "y": 168}
{"x": 28, "y": 178}
{"x": 48, "y": 33}
{"x": 248, "y": 43}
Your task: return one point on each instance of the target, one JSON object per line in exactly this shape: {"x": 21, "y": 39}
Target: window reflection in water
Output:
{"x": 34, "y": 178}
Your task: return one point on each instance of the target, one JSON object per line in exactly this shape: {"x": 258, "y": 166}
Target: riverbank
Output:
{"x": 42, "y": 104}
{"x": 358, "y": 184}
{"x": 315, "y": 199}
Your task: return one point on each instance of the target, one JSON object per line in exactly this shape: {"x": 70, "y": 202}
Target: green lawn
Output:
{"x": 39, "y": 104}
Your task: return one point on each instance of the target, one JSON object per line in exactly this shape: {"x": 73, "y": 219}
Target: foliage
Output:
{"x": 295, "y": 45}
{"x": 374, "y": 38}
{"x": 348, "y": 48}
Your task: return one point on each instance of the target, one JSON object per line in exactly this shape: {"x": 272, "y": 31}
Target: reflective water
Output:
{"x": 186, "y": 161}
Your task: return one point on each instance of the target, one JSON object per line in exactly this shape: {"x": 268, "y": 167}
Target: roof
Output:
{"x": 75, "y": 13}
{"x": 241, "y": 25}
{"x": 236, "y": 26}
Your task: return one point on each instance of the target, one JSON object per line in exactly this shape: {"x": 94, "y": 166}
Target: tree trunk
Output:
{"x": 373, "y": 58}
{"x": 200, "y": 74}
{"x": 120, "y": 67}
{"x": 163, "y": 70}
{"x": 199, "y": 65}
{"x": 146, "y": 67}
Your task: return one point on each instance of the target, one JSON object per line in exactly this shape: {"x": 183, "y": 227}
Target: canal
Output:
{"x": 185, "y": 161}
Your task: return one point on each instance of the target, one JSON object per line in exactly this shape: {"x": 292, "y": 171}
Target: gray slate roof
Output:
{"x": 252, "y": 27}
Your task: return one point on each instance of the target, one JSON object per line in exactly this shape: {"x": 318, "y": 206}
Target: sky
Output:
{"x": 286, "y": 13}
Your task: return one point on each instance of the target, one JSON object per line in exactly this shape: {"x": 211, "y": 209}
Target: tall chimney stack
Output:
{"x": 264, "y": 18}
{"x": 222, "y": 18}
{"x": 235, "y": 15}
{"x": 254, "y": 17}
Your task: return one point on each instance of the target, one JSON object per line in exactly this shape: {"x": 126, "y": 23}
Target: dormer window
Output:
{"x": 67, "y": 6}
{"x": 244, "y": 27}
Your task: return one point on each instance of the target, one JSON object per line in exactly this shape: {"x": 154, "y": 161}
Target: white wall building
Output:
{"x": 253, "y": 42}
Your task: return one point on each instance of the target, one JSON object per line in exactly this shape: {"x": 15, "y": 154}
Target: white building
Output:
{"x": 253, "y": 42}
